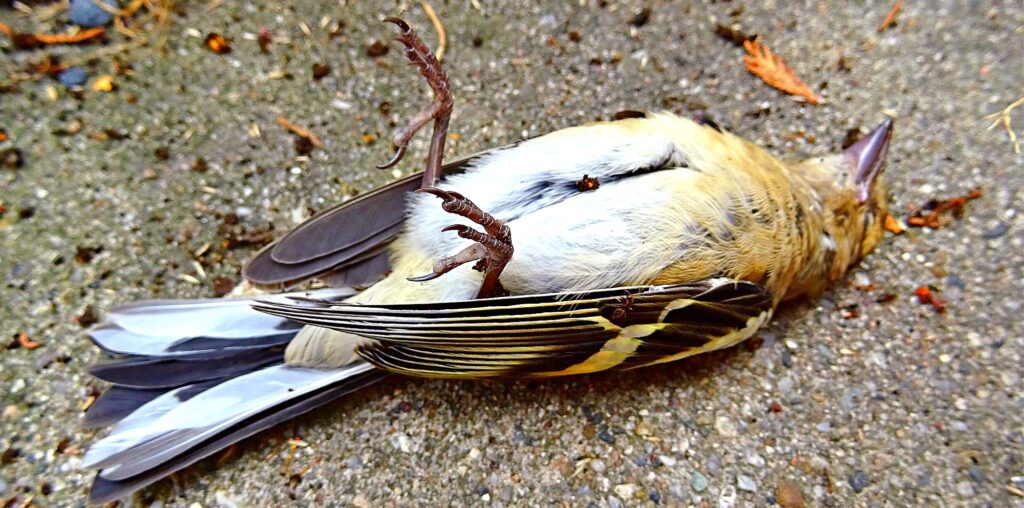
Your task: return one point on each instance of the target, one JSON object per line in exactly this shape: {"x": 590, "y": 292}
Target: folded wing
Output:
{"x": 543, "y": 335}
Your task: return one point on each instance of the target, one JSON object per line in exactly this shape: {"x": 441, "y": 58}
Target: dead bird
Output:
{"x": 612, "y": 245}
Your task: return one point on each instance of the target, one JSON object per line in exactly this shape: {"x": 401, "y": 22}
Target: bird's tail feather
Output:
{"x": 192, "y": 377}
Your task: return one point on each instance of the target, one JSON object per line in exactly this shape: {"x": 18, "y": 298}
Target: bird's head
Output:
{"x": 853, "y": 196}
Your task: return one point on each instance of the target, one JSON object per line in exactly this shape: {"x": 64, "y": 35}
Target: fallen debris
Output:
{"x": 1004, "y": 118}
{"x": 925, "y": 295}
{"x": 935, "y": 207}
{"x": 24, "y": 40}
{"x": 25, "y": 342}
{"x": 894, "y": 225}
{"x": 736, "y": 37}
{"x": 890, "y": 19}
{"x": 299, "y": 131}
{"x": 762, "y": 63}
{"x": 217, "y": 43}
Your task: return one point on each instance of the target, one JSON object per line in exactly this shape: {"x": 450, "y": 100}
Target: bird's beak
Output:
{"x": 868, "y": 154}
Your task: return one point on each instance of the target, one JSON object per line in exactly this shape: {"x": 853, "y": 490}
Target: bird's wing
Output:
{"x": 544, "y": 335}
{"x": 352, "y": 236}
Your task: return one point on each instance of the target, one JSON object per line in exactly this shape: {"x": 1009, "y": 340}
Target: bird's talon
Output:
{"x": 424, "y": 278}
{"x": 395, "y": 159}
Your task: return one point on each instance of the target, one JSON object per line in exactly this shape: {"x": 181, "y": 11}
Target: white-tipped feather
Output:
{"x": 162, "y": 429}
{"x": 154, "y": 327}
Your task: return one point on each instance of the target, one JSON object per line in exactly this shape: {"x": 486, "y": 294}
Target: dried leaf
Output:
{"x": 894, "y": 226}
{"x": 773, "y": 70}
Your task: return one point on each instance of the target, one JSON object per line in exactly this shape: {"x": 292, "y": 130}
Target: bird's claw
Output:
{"x": 491, "y": 250}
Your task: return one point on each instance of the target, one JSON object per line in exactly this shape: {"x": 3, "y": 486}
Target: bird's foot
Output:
{"x": 439, "y": 109}
{"x": 492, "y": 249}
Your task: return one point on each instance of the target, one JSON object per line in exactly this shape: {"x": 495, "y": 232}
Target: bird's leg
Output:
{"x": 439, "y": 109}
{"x": 491, "y": 251}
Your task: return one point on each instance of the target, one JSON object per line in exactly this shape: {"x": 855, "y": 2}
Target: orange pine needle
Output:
{"x": 84, "y": 35}
{"x": 773, "y": 70}
{"x": 891, "y": 17}
{"x": 48, "y": 39}
{"x": 299, "y": 131}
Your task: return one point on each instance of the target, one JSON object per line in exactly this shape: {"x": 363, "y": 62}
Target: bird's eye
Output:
{"x": 869, "y": 218}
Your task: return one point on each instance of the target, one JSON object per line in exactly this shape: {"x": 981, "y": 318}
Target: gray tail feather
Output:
{"x": 175, "y": 364}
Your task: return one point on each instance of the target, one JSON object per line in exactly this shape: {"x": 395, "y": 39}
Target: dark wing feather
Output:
{"x": 543, "y": 335}
{"x": 342, "y": 237}
{"x": 174, "y": 371}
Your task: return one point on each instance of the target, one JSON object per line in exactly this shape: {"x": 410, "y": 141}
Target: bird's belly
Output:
{"x": 623, "y": 233}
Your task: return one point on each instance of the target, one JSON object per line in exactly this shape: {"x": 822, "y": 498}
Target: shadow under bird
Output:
{"x": 612, "y": 245}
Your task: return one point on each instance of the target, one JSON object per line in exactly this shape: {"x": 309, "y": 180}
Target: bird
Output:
{"x": 606, "y": 246}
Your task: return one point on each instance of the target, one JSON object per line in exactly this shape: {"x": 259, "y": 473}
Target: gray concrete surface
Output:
{"x": 897, "y": 406}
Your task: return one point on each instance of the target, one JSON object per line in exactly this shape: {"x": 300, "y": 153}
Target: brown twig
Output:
{"x": 299, "y": 131}
{"x": 442, "y": 36}
{"x": 955, "y": 205}
{"x": 891, "y": 17}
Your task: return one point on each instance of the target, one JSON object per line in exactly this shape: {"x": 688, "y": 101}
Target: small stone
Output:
{"x": 746, "y": 483}
{"x": 859, "y": 481}
{"x": 320, "y": 70}
{"x": 998, "y": 231}
{"x": 725, "y": 426}
{"x": 667, "y": 460}
{"x": 625, "y": 490}
{"x": 614, "y": 502}
{"x": 787, "y": 358}
{"x": 977, "y": 474}
{"x": 606, "y": 436}
{"x": 360, "y": 501}
{"x": 755, "y": 460}
{"x": 965, "y": 489}
{"x": 698, "y": 482}
{"x": 789, "y": 495}
{"x": 354, "y": 463}
{"x": 598, "y": 466}
{"x": 85, "y": 13}
{"x": 11, "y": 158}
{"x": 377, "y": 49}
{"x": 654, "y": 496}
{"x": 727, "y": 498}
{"x": 72, "y": 76}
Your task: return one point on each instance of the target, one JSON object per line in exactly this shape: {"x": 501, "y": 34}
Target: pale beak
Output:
{"x": 869, "y": 156}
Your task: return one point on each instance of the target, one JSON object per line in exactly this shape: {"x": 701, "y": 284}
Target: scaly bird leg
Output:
{"x": 491, "y": 251}
{"x": 439, "y": 109}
